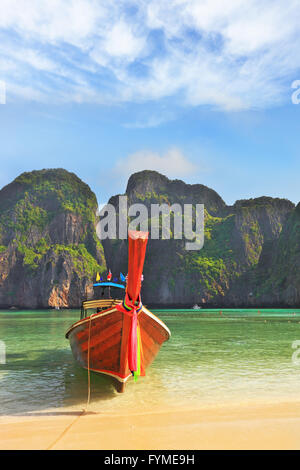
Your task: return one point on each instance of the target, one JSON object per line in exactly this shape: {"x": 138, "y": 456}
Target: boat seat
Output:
{"x": 100, "y": 303}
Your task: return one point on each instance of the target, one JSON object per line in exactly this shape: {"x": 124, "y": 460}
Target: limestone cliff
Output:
{"x": 225, "y": 271}
{"x": 49, "y": 251}
{"x": 277, "y": 279}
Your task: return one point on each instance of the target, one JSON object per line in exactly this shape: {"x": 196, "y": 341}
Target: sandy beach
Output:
{"x": 243, "y": 426}
{"x": 220, "y": 383}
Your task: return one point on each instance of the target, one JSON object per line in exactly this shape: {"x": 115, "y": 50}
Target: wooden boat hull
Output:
{"x": 100, "y": 342}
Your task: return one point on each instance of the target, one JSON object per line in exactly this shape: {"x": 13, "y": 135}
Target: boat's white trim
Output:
{"x": 154, "y": 317}
{"x": 120, "y": 379}
{"x": 107, "y": 312}
{"x": 92, "y": 317}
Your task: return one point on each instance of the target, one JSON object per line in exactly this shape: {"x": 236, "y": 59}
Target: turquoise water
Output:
{"x": 212, "y": 357}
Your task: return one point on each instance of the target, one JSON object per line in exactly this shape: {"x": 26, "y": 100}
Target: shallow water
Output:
{"x": 213, "y": 357}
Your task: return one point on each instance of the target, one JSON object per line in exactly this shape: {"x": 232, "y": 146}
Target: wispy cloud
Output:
{"x": 172, "y": 163}
{"x": 232, "y": 56}
{"x": 148, "y": 118}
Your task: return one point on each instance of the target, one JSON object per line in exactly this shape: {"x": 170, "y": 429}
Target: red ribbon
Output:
{"x": 132, "y": 346}
{"x": 132, "y": 343}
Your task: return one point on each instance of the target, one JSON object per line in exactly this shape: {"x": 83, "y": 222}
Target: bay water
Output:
{"x": 213, "y": 357}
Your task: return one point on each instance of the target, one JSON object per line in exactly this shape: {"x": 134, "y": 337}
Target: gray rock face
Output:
{"x": 49, "y": 249}
{"x": 228, "y": 270}
{"x": 152, "y": 187}
{"x": 278, "y": 269}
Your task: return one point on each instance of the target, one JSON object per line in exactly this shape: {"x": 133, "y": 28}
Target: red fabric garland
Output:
{"x": 132, "y": 343}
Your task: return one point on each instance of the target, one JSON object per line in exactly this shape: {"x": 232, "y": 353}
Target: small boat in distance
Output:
{"x": 196, "y": 307}
{"x": 119, "y": 338}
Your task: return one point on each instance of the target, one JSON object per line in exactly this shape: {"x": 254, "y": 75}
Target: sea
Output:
{"x": 214, "y": 357}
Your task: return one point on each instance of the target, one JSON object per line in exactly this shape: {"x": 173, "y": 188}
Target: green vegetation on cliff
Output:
{"x": 84, "y": 263}
{"x": 33, "y": 199}
{"x": 214, "y": 266}
{"x": 279, "y": 269}
{"x": 226, "y": 269}
{"x": 50, "y": 251}
{"x": 48, "y": 218}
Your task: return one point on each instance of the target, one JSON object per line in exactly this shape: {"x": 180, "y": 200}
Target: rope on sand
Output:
{"x": 88, "y": 364}
{"x": 88, "y": 397}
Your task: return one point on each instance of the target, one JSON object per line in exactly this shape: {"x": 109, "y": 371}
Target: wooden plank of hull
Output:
{"x": 109, "y": 334}
{"x": 101, "y": 337}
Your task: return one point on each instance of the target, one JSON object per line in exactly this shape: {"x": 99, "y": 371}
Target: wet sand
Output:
{"x": 235, "y": 426}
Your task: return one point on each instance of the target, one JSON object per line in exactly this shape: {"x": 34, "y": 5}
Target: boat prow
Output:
{"x": 100, "y": 342}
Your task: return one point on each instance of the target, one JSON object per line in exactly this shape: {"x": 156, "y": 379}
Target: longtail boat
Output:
{"x": 119, "y": 338}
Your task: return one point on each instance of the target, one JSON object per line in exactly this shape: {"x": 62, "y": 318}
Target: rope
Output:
{"x": 88, "y": 397}
{"x": 88, "y": 364}
{"x": 65, "y": 431}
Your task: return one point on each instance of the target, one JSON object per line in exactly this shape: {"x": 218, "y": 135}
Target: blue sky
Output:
{"x": 189, "y": 88}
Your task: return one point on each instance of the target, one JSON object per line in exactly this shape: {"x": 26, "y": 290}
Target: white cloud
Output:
{"x": 71, "y": 21}
{"x": 230, "y": 55}
{"x": 120, "y": 41}
{"x": 172, "y": 163}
